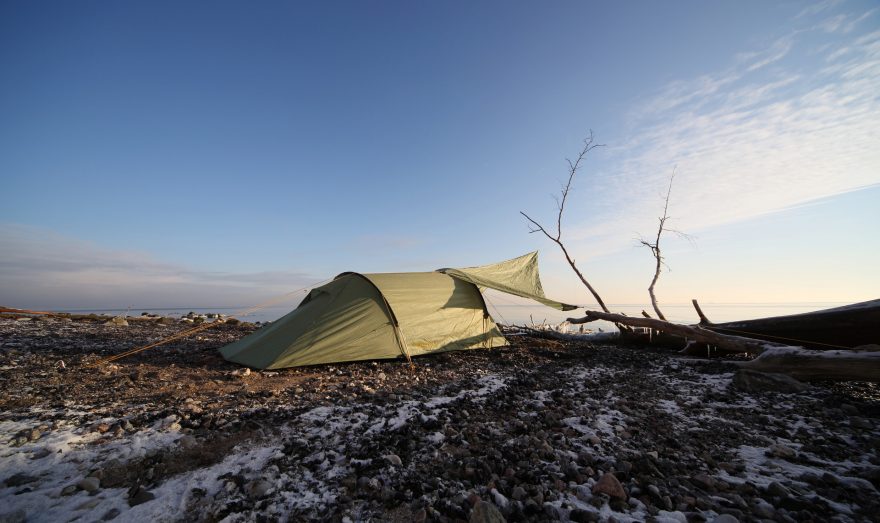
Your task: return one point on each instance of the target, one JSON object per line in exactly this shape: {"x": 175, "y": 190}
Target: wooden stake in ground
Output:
{"x": 556, "y": 238}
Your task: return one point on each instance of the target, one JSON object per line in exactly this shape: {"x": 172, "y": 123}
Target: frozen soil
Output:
{"x": 542, "y": 430}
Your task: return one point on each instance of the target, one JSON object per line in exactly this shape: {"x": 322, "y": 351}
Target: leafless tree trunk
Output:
{"x": 655, "y": 248}
{"x": 557, "y": 237}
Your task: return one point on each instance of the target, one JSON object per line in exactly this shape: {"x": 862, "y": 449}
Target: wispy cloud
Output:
{"x": 40, "y": 268}
{"x": 818, "y": 7}
{"x": 777, "y": 51}
{"x": 763, "y": 134}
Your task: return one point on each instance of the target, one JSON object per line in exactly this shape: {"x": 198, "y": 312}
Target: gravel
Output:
{"x": 541, "y": 430}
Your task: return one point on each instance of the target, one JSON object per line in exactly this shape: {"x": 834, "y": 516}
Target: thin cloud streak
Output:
{"x": 751, "y": 139}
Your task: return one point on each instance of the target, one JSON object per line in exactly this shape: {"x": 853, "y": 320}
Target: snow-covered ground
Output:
{"x": 527, "y": 432}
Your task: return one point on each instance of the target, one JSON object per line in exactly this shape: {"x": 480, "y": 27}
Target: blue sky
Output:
{"x": 182, "y": 153}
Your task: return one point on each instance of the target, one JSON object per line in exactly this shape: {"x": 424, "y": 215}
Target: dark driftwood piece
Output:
{"x": 703, "y": 319}
{"x": 810, "y": 365}
{"x": 838, "y": 328}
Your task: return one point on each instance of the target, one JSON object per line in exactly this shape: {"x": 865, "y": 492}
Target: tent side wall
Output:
{"x": 438, "y": 313}
{"x": 344, "y": 320}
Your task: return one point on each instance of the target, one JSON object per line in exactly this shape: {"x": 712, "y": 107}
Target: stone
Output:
{"x": 518, "y": 493}
{"x": 704, "y": 481}
{"x": 608, "y": 484}
{"x": 393, "y": 459}
{"x": 484, "y": 512}
{"x": 673, "y": 516}
{"x": 830, "y": 479}
{"x": 89, "y": 484}
{"x": 88, "y": 504}
{"x": 725, "y": 518}
{"x": 849, "y": 409}
{"x": 141, "y": 496}
{"x": 762, "y": 509}
{"x": 258, "y": 489}
{"x": 781, "y": 451}
{"x": 861, "y": 423}
{"x": 19, "y": 479}
{"x": 777, "y": 489}
{"x": 369, "y": 483}
{"x": 117, "y": 321}
{"x": 69, "y": 490}
{"x": 753, "y": 381}
{"x": 583, "y": 516}
{"x": 188, "y": 442}
{"x": 110, "y": 514}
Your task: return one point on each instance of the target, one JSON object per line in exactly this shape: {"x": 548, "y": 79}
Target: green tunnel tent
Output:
{"x": 389, "y": 315}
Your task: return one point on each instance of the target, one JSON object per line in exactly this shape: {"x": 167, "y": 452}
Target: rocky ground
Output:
{"x": 543, "y": 430}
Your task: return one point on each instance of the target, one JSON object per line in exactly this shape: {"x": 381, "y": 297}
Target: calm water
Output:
{"x": 514, "y": 311}
{"x": 263, "y": 315}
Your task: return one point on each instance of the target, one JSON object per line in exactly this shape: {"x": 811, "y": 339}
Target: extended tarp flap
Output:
{"x": 518, "y": 276}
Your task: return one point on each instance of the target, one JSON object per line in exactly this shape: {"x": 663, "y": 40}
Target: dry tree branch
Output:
{"x": 655, "y": 246}
{"x": 556, "y": 238}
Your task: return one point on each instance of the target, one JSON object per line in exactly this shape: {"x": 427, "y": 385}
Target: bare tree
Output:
{"x": 806, "y": 363}
{"x": 556, "y": 238}
{"x": 655, "y": 248}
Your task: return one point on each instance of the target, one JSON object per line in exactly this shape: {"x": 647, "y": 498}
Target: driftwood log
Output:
{"x": 809, "y": 365}
{"x": 694, "y": 333}
{"x": 800, "y": 363}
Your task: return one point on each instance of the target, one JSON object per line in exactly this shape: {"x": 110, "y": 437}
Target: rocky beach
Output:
{"x": 541, "y": 430}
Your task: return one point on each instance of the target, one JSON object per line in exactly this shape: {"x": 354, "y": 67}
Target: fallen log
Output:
{"x": 810, "y": 365}
{"x": 694, "y": 333}
{"x": 800, "y": 363}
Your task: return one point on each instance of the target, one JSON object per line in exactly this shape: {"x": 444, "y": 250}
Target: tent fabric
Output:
{"x": 372, "y": 316}
{"x": 389, "y": 315}
{"x": 344, "y": 320}
{"x": 518, "y": 276}
{"x": 436, "y": 313}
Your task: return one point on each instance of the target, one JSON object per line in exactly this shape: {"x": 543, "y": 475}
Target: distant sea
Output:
{"x": 526, "y": 313}
{"x": 262, "y": 315}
